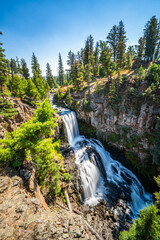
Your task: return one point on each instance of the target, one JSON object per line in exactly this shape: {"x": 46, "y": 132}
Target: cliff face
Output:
{"x": 129, "y": 124}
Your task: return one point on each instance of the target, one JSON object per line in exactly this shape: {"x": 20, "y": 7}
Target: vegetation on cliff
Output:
{"x": 34, "y": 141}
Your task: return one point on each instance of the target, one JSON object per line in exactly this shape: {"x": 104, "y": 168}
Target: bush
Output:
{"x": 67, "y": 177}
{"x": 147, "y": 226}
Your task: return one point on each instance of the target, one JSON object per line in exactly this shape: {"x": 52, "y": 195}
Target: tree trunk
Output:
{"x": 68, "y": 201}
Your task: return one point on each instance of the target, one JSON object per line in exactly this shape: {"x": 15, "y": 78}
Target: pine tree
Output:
{"x": 70, "y": 63}
{"x": 18, "y": 66}
{"x": 129, "y": 59}
{"x": 18, "y": 86}
{"x": 121, "y": 46}
{"x": 60, "y": 71}
{"x": 13, "y": 68}
{"x": 49, "y": 77}
{"x": 80, "y": 75}
{"x": 151, "y": 35}
{"x": 96, "y": 60}
{"x": 105, "y": 58}
{"x": 140, "y": 49}
{"x": 40, "y": 83}
{"x": 35, "y": 65}
{"x": 3, "y": 66}
{"x": 31, "y": 90}
{"x": 112, "y": 39}
{"x": 88, "y": 50}
{"x": 24, "y": 69}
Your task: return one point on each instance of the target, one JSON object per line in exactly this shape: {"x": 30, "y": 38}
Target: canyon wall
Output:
{"x": 129, "y": 125}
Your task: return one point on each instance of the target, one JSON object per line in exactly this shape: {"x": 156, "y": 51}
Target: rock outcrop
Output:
{"x": 24, "y": 113}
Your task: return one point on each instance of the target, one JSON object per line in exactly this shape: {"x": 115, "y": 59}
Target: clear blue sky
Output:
{"x": 47, "y": 27}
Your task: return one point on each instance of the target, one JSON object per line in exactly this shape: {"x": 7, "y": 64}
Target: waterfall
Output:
{"x": 99, "y": 173}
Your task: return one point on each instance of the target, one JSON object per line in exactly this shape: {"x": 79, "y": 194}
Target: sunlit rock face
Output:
{"x": 126, "y": 126}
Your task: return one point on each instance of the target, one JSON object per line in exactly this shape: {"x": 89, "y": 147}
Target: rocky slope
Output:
{"x": 24, "y": 213}
{"x": 23, "y": 113}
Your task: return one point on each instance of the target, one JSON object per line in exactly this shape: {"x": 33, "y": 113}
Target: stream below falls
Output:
{"x": 101, "y": 176}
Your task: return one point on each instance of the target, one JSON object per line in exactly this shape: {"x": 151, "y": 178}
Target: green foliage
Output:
{"x": 156, "y": 150}
{"x": 121, "y": 45}
{"x": 151, "y": 35}
{"x": 69, "y": 98}
{"x": 112, "y": 39}
{"x": 49, "y": 77}
{"x": 60, "y": 71}
{"x": 25, "y": 70}
{"x": 32, "y": 140}
{"x": 18, "y": 86}
{"x": 113, "y": 137}
{"x": 105, "y": 59}
{"x": 3, "y": 66}
{"x": 67, "y": 177}
{"x": 7, "y": 109}
{"x": 86, "y": 104}
{"x": 114, "y": 90}
{"x": 147, "y": 226}
{"x": 157, "y": 194}
{"x": 129, "y": 60}
{"x": 140, "y": 76}
{"x": 31, "y": 90}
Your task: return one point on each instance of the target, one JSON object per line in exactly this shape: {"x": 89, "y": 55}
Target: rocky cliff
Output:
{"x": 128, "y": 123}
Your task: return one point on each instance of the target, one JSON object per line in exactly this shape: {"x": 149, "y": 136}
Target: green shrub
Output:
{"x": 67, "y": 177}
{"x": 147, "y": 226}
{"x": 7, "y": 109}
{"x": 113, "y": 137}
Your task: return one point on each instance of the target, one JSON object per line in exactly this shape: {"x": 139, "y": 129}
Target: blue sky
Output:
{"x": 47, "y": 27}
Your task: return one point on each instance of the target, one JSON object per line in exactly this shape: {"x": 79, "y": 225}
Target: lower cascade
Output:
{"x": 101, "y": 176}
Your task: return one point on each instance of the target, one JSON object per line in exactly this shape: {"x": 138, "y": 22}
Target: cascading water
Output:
{"x": 99, "y": 173}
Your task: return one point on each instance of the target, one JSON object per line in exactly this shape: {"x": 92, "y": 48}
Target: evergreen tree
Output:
{"x": 112, "y": 39}
{"x": 151, "y": 35}
{"x": 70, "y": 63}
{"x": 31, "y": 90}
{"x": 140, "y": 49}
{"x": 13, "y": 68}
{"x": 35, "y": 65}
{"x": 60, "y": 71}
{"x": 121, "y": 45}
{"x": 129, "y": 60}
{"x": 88, "y": 50}
{"x": 105, "y": 59}
{"x": 69, "y": 98}
{"x": 132, "y": 51}
{"x": 24, "y": 69}
{"x": 157, "y": 50}
{"x": 18, "y": 66}
{"x": 40, "y": 83}
{"x": 80, "y": 75}
{"x": 49, "y": 77}
{"x": 18, "y": 86}
{"x": 3, "y": 66}
{"x": 96, "y": 60}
